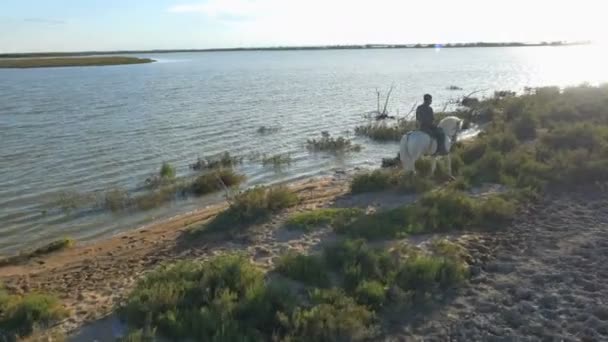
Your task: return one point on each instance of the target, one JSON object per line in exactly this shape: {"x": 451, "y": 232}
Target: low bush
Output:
{"x": 371, "y": 293}
{"x": 311, "y": 220}
{"x": 327, "y": 143}
{"x": 251, "y": 206}
{"x": 225, "y": 298}
{"x": 333, "y": 317}
{"x": 422, "y": 273}
{"x": 358, "y": 262}
{"x": 309, "y": 269}
{"x": 381, "y": 180}
{"x": 19, "y": 315}
{"x": 436, "y": 211}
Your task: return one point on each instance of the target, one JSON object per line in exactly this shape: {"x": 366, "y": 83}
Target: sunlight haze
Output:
{"x": 63, "y": 25}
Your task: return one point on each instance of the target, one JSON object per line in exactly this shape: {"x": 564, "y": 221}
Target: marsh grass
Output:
{"x": 264, "y": 130}
{"x": 222, "y": 160}
{"x": 277, "y": 161}
{"x": 216, "y": 180}
{"x": 382, "y": 131}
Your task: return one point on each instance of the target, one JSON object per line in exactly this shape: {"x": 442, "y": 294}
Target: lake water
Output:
{"x": 91, "y": 129}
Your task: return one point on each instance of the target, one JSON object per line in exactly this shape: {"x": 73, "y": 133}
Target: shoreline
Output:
{"x": 92, "y": 278}
{"x": 69, "y": 61}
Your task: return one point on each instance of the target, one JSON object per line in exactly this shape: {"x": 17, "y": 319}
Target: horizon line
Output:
{"x": 303, "y": 47}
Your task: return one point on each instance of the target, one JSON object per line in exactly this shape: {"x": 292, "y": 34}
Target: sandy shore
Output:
{"x": 91, "y": 279}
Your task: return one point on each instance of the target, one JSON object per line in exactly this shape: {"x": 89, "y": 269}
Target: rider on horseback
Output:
{"x": 426, "y": 121}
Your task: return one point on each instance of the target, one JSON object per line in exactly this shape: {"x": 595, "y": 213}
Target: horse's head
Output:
{"x": 451, "y": 126}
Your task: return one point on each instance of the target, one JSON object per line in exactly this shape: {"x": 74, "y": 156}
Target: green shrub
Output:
{"x": 329, "y": 144}
{"x": 252, "y": 206}
{"x": 423, "y": 273}
{"x": 332, "y": 317}
{"x": 309, "y": 269}
{"x": 381, "y": 180}
{"x": 215, "y": 180}
{"x": 381, "y": 225}
{"x": 495, "y": 210}
{"x": 578, "y": 136}
{"x": 225, "y": 298}
{"x": 525, "y": 127}
{"x": 358, "y": 262}
{"x": 311, "y": 220}
{"x": 19, "y": 315}
{"x": 371, "y": 293}
{"x": 443, "y": 211}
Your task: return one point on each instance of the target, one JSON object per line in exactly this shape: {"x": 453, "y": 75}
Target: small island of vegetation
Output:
{"x": 21, "y": 63}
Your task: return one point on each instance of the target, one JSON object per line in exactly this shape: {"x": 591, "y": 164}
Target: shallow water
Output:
{"x": 91, "y": 129}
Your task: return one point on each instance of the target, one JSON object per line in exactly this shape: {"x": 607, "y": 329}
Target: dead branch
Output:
{"x": 388, "y": 96}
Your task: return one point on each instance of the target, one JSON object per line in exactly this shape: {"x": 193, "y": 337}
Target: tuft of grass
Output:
{"x": 20, "y": 315}
{"x": 277, "y": 161}
{"x": 311, "y": 220}
{"x": 215, "y": 180}
{"x": 327, "y": 143}
{"x": 251, "y": 206}
{"x": 309, "y": 269}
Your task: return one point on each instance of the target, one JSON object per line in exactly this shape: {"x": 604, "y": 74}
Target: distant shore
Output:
{"x": 22, "y": 63}
{"x": 288, "y": 48}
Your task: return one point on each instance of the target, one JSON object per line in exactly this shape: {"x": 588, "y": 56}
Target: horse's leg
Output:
{"x": 449, "y": 161}
{"x": 433, "y": 165}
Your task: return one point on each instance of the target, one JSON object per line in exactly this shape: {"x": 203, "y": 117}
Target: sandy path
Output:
{"x": 544, "y": 279}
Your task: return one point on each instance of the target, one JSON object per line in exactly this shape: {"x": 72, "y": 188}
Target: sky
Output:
{"x": 85, "y": 25}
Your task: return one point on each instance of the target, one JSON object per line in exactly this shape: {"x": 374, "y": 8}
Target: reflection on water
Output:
{"x": 89, "y": 129}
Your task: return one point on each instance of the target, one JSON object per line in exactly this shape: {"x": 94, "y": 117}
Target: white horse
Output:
{"x": 416, "y": 144}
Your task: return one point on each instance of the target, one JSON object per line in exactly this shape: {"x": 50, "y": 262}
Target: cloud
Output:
{"x": 45, "y": 21}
